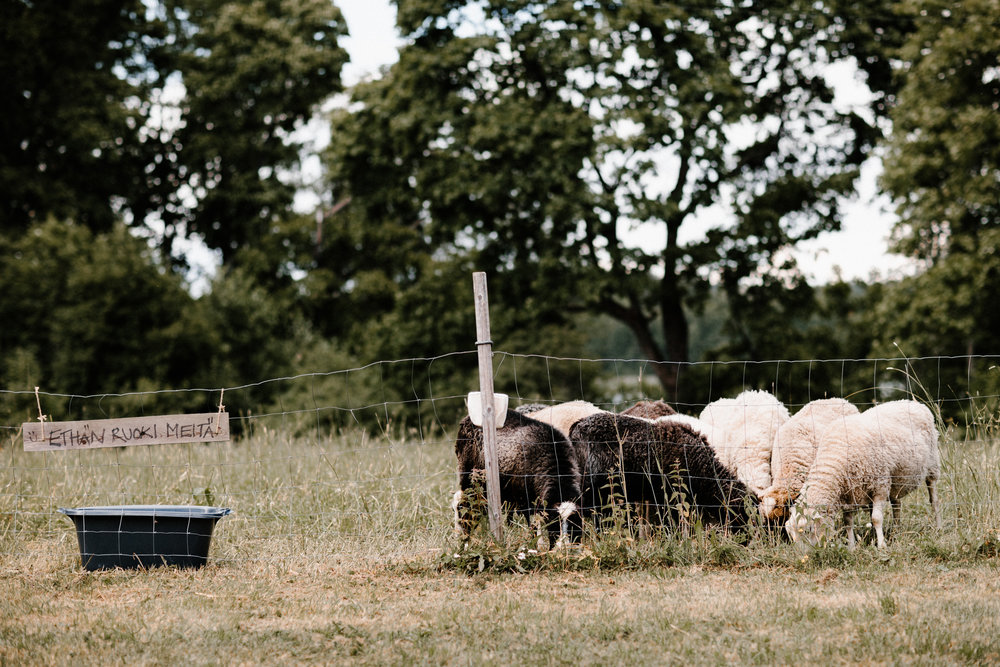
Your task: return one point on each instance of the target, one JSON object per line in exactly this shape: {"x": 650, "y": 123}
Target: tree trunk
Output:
{"x": 672, "y": 317}
{"x": 666, "y": 364}
{"x": 675, "y": 334}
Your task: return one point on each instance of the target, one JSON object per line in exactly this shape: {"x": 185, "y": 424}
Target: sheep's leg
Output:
{"x": 644, "y": 522}
{"x": 461, "y": 503}
{"x": 878, "y": 516}
{"x": 932, "y": 495}
{"x": 849, "y": 522}
{"x": 566, "y": 511}
{"x": 456, "y": 503}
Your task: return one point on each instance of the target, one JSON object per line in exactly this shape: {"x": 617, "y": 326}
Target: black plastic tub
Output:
{"x": 134, "y": 536}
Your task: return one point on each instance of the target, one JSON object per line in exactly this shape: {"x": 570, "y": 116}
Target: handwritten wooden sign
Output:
{"x": 94, "y": 433}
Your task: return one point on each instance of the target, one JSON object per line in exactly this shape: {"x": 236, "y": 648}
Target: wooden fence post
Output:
{"x": 485, "y": 348}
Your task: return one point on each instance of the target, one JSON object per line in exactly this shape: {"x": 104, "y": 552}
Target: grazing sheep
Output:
{"x": 539, "y": 473}
{"x": 646, "y": 462}
{"x": 742, "y": 434}
{"x": 564, "y": 415}
{"x": 795, "y": 450}
{"x": 870, "y": 459}
{"x": 650, "y": 410}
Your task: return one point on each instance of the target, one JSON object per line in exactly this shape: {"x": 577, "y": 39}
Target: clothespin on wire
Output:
{"x": 41, "y": 417}
{"x": 218, "y": 419}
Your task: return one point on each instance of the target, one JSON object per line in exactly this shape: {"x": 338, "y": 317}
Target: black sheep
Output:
{"x": 539, "y": 470}
{"x": 655, "y": 460}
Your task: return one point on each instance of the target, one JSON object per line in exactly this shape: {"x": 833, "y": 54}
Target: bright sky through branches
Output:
{"x": 858, "y": 250}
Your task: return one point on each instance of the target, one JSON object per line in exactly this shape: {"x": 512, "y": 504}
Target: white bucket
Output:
{"x": 475, "y": 403}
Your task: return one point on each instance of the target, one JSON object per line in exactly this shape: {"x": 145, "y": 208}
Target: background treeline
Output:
{"x": 528, "y": 140}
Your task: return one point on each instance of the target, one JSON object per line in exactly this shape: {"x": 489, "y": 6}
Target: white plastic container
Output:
{"x": 475, "y": 403}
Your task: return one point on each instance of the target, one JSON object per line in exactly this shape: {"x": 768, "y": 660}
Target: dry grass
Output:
{"x": 340, "y": 551}
{"x": 336, "y": 611}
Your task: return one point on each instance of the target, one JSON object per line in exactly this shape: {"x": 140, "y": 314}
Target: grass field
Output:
{"x": 340, "y": 550}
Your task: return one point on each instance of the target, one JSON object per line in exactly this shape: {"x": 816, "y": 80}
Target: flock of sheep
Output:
{"x": 574, "y": 462}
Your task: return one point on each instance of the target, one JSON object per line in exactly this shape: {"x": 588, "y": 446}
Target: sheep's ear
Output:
{"x": 475, "y": 405}
{"x": 767, "y": 504}
{"x": 500, "y": 403}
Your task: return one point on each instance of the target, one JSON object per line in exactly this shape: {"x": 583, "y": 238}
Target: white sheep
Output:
{"x": 795, "y": 450}
{"x": 742, "y": 431}
{"x": 870, "y": 459}
{"x": 695, "y": 424}
{"x": 563, "y": 415}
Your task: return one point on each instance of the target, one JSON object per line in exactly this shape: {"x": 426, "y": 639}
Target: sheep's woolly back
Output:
{"x": 883, "y": 453}
{"x": 650, "y": 409}
{"x": 795, "y": 450}
{"x": 647, "y": 461}
{"x": 742, "y": 434}
{"x": 564, "y": 415}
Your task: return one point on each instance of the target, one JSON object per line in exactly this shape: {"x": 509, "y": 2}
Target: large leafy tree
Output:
{"x": 177, "y": 114}
{"x": 89, "y": 312}
{"x": 943, "y": 170}
{"x": 252, "y": 73}
{"x": 537, "y": 139}
{"x": 73, "y": 77}
{"x": 99, "y": 313}
{"x": 943, "y": 163}
{"x": 169, "y": 117}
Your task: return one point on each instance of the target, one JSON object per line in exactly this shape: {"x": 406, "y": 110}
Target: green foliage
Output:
{"x": 89, "y": 313}
{"x": 180, "y": 114}
{"x": 240, "y": 336}
{"x": 817, "y": 331}
{"x": 330, "y": 390}
{"x": 530, "y": 142}
{"x": 73, "y": 77}
{"x": 947, "y": 307}
{"x": 942, "y": 169}
{"x": 97, "y": 314}
{"x": 944, "y": 153}
{"x": 531, "y": 145}
{"x": 253, "y": 73}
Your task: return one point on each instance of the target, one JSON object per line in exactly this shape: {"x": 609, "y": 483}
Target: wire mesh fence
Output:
{"x": 361, "y": 462}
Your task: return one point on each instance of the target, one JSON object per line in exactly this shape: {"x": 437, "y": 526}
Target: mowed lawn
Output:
{"x": 340, "y": 551}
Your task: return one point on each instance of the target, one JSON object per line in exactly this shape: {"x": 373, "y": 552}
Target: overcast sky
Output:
{"x": 858, "y": 250}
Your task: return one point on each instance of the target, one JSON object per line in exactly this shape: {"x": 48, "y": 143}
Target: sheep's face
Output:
{"x": 809, "y": 526}
{"x": 774, "y": 503}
